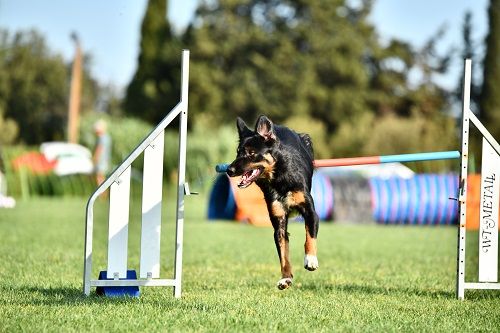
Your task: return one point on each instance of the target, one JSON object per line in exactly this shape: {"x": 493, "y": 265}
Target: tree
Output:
{"x": 154, "y": 89}
{"x": 8, "y": 127}
{"x": 34, "y": 88}
{"x": 282, "y": 58}
{"x": 8, "y": 130}
{"x": 35, "y": 93}
{"x": 489, "y": 103}
{"x": 468, "y": 51}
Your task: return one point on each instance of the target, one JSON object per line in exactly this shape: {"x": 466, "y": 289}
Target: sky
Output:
{"x": 109, "y": 30}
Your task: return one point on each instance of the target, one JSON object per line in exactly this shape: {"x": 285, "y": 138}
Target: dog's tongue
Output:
{"x": 247, "y": 178}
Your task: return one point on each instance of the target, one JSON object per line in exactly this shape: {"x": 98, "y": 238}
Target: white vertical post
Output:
{"x": 179, "y": 235}
{"x": 119, "y": 199}
{"x": 89, "y": 227}
{"x": 488, "y": 217}
{"x": 462, "y": 197}
{"x": 151, "y": 208}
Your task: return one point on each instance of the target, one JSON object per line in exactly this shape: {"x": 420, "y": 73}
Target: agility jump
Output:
{"x": 117, "y": 276}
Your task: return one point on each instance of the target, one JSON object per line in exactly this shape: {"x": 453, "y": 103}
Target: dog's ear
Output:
{"x": 265, "y": 128}
{"x": 243, "y": 130}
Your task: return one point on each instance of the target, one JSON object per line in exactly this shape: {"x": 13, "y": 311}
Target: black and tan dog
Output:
{"x": 280, "y": 162}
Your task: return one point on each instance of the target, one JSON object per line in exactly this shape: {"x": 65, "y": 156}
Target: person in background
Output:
{"x": 102, "y": 151}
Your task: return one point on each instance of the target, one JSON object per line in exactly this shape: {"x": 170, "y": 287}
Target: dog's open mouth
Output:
{"x": 249, "y": 177}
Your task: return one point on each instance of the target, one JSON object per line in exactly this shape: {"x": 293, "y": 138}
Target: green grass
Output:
{"x": 371, "y": 278}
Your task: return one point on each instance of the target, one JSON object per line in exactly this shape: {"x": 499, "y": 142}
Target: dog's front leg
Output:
{"x": 281, "y": 240}
{"x": 279, "y": 219}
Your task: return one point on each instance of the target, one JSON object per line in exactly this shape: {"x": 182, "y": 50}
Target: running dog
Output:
{"x": 280, "y": 162}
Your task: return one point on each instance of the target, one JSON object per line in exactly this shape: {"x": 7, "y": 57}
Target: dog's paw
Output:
{"x": 311, "y": 262}
{"x": 284, "y": 283}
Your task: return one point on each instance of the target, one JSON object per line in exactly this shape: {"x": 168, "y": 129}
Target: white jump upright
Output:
{"x": 490, "y": 196}
{"x": 119, "y": 197}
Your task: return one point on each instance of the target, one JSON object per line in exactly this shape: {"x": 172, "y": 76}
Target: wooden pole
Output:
{"x": 75, "y": 93}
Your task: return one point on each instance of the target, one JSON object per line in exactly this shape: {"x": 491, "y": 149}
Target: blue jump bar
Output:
{"x": 221, "y": 167}
{"x": 439, "y": 155}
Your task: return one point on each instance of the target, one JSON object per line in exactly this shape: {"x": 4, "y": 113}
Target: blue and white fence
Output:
{"x": 119, "y": 197}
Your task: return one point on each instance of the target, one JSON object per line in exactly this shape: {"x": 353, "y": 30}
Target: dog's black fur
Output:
{"x": 280, "y": 162}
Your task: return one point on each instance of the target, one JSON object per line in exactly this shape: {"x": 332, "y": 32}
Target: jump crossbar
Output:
{"x": 440, "y": 155}
{"x": 336, "y": 162}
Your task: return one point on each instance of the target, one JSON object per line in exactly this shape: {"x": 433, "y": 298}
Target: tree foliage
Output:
{"x": 282, "y": 58}
{"x": 468, "y": 51}
{"x": 489, "y": 98}
{"x": 154, "y": 89}
{"x": 34, "y": 92}
{"x": 34, "y": 86}
{"x": 8, "y": 130}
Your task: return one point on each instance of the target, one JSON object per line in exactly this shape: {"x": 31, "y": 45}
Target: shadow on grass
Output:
{"x": 56, "y": 296}
{"x": 379, "y": 290}
{"x": 74, "y": 297}
{"x": 398, "y": 291}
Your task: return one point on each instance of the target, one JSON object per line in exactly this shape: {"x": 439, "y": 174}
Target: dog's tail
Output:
{"x": 306, "y": 140}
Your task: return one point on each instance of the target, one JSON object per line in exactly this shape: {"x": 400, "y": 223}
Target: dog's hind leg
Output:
{"x": 311, "y": 224}
{"x": 279, "y": 221}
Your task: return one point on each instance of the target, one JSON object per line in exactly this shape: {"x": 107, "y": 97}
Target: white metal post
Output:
{"x": 179, "y": 235}
{"x": 87, "y": 260}
{"x": 462, "y": 198}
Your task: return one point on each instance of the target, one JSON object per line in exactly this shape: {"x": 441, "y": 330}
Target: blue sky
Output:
{"x": 109, "y": 29}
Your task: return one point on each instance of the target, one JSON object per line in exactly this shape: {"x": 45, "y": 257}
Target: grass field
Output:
{"x": 371, "y": 278}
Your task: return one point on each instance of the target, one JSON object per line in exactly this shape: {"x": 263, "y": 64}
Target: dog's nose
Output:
{"x": 231, "y": 170}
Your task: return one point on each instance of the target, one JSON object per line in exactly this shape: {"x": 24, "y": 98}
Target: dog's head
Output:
{"x": 254, "y": 157}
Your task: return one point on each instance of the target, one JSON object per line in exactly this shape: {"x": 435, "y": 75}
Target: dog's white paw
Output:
{"x": 311, "y": 262}
{"x": 284, "y": 283}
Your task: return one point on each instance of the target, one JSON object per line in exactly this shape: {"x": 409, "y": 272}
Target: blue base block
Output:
{"x": 131, "y": 291}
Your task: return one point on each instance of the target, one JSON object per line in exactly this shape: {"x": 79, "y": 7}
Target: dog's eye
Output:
{"x": 251, "y": 153}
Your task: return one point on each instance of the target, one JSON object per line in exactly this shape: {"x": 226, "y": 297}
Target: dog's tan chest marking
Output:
{"x": 277, "y": 209}
{"x": 294, "y": 199}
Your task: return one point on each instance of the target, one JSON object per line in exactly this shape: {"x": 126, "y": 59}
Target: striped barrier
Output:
{"x": 420, "y": 200}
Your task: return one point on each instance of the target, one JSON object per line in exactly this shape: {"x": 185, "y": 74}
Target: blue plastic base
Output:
{"x": 131, "y": 291}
